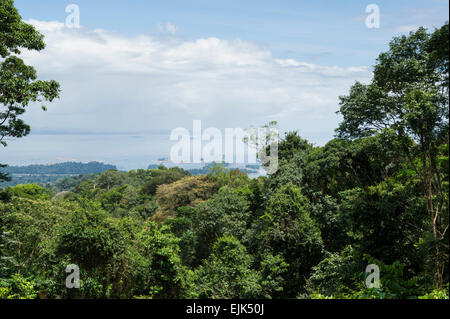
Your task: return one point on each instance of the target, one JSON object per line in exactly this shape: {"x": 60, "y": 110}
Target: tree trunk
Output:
{"x": 433, "y": 213}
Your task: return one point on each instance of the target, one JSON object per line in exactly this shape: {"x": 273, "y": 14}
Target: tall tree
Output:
{"x": 408, "y": 97}
{"x": 290, "y": 232}
{"x": 19, "y": 86}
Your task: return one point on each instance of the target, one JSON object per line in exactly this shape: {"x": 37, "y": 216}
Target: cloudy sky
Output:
{"x": 140, "y": 68}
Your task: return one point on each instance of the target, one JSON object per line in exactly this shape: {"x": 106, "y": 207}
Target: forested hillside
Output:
{"x": 307, "y": 231}
{"x": 376, "y": 194}
{"x": 50, "y": 173}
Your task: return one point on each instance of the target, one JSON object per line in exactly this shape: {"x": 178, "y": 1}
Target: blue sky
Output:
{"x": 328, "y": 31}
{"x": 136, "y": 68}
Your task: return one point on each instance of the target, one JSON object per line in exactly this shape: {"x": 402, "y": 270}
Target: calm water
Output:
{"x": 125, "y": 151}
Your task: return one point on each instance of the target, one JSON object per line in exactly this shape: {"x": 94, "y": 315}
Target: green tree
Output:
{"x": 290, "y": 231}
{"x": 94, "y": 241}
{"x": 226, "y": 213}
{"x": 17, "y": 288}
{"x": 185, "y": 228}
{"x": 334, "y": 274}
{"x": 31, "y": 191}
{"x": 157, "y": 268}
{"x": 227, "y": 273}
{"x": 110, "y": 179}
{"x": 187, "y": 191}
{"x": 408, "y": 97}
{"x": 19, "y": 86}
{"x": 161, "y": 177}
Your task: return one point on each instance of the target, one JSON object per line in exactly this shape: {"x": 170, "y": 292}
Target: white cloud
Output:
{"x": 115, "y": 83}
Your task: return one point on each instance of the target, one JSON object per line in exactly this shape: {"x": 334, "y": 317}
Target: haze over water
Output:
{"x": 125, "y": 151}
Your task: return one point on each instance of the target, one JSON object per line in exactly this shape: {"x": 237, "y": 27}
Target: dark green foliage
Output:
{"x": 334, "y": 224}
{"x": 290, "y": 231}
{"x": 65, "y": 168}
{"x": 184, "y": 228}
{"x": 159, "y": 272}
{"x": 161, "y": 177}
{"x": 334, "y": 274}
{"x": 408, "y": 99}
{"x": 226, "y": 273}
{"x": 3, "y": 176}
{"x": 89, "y": 238}
{"x": 19, "y": 86}
{"x": 377, "y": 194}
{"x": 70, "y": 183}
{"x": 226, "y": 213}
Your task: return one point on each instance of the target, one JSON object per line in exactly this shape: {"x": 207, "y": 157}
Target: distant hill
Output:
{"x": 250, "y": 169}
{"x": 48, "y": 173}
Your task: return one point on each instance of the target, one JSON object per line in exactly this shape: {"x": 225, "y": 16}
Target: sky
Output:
{"x": 137, "y": 69}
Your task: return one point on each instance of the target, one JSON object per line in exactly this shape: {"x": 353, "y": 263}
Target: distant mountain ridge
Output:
{"x": 48, "y": 173}
{"x": 60, "y": 168}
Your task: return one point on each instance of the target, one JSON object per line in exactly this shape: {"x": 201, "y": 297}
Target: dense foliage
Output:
{"x": 59, "y": 174}
{"x": 224, "y": 235}
{"x": 377, "y": 194}
{"x": 19, "y": 86}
